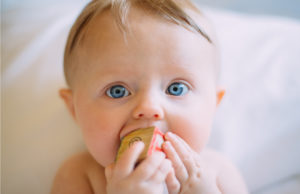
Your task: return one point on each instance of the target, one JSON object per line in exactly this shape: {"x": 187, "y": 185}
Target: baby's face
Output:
{"x": 162, "y": 75}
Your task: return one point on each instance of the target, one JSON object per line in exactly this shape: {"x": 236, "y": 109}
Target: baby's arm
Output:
{"x": 229, "y": 179}
{"x": 80, "y": 174}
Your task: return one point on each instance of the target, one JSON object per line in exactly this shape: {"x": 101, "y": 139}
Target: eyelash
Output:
{"x": 122, "y": 91}
{"x": 180, "y": 87}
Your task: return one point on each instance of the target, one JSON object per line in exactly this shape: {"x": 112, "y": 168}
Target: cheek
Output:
{"x": 196, "y": 134}
{"x": 100, "y": 131}
{"x": 194, "y": 126}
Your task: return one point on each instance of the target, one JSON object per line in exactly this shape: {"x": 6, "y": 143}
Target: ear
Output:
{"x": 67, "y": 96}
{"x": 220, "y": 93}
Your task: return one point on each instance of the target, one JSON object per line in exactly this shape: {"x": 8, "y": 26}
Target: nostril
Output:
{"x": 141, "y": 115}
{"x": 156, "y": 115}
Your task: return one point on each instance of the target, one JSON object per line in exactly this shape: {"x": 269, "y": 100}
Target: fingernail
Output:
{"x": 169, "y": 134}
{"x": 137, "y": 143}
{"x": 167, "y": 144}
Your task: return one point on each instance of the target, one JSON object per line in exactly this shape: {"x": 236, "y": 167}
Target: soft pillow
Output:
{"x": 257, "y": 124}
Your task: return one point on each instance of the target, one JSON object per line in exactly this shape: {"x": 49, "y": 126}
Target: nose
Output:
{"x": 148, "y": 108}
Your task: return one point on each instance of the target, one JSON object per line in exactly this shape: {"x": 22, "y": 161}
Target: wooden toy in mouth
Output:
{"x": 152, "y": 137}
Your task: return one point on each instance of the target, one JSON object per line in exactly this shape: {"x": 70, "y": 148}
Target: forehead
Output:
{"x": 151, "y": 40}
{"x": 139, "y": 20}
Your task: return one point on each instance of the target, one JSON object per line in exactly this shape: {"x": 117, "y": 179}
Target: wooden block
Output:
{"x": 152, "y": 137}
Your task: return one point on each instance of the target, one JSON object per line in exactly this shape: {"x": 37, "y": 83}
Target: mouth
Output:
{"x": 127, "y": 130}
{"x": 133, "y": 130}
{"x": 152, "y": 138}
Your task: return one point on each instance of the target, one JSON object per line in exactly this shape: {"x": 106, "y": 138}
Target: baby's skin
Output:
{"x": 161, "y": 75}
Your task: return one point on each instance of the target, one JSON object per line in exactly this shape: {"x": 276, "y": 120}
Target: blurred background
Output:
{"x": 287, "y": 8}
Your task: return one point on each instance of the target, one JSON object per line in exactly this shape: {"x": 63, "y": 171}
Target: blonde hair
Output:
{"x": 173, "y": 10}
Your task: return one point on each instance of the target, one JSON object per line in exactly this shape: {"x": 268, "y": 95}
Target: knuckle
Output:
{"x": 192, "y": 183}
{"x": 147, "y": 170}
{"x": 187, "y": 158}
{"x": 175, "y": 187}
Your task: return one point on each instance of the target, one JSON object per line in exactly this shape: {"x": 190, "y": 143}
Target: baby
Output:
{"x": 133, "y": 64}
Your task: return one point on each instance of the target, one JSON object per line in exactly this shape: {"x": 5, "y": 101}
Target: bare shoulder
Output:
{"x": 229, "y": 179}
{"x": 79, "y": 174}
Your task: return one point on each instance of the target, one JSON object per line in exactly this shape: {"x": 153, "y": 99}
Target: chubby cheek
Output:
{"x": 194, "y": 127}
{"x": 101, "y": 144}
{"x": 195, "y": 135}
{"x": 101, "y": 134}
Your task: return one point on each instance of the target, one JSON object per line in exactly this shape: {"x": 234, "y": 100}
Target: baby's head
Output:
{"x": 133, "y": 64}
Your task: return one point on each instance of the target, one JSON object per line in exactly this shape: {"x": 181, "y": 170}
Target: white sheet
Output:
{"x": 257, "y": 125}
{"x": 260, "y": 116}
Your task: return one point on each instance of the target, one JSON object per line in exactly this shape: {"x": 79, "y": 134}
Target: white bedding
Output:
{"x": 257, "y": 124}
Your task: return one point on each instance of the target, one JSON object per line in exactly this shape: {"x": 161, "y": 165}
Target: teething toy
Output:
{"x": 152, "y": 137}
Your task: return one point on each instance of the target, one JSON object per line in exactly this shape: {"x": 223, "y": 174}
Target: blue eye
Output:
{"x": 117, "y": 91}
{"x": 177, "y": 89}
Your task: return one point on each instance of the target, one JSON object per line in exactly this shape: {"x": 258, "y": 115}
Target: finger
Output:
{"x": 179, "y": 168}
{"x": 185, "y": 153}
{"x": 173, "y": 184}
{"x": 161, "y": 172}
{"x": 173, "y": 137}
{"x": 127, "y": 161}
{"x": 149, "y": 166}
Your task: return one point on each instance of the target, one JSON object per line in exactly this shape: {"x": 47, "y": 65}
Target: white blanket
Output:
{"x": 257, "y": 124}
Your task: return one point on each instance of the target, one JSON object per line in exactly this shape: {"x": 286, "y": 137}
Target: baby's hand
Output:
{"x": 191, "y": 173}
{"x": 147, "y": 178}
